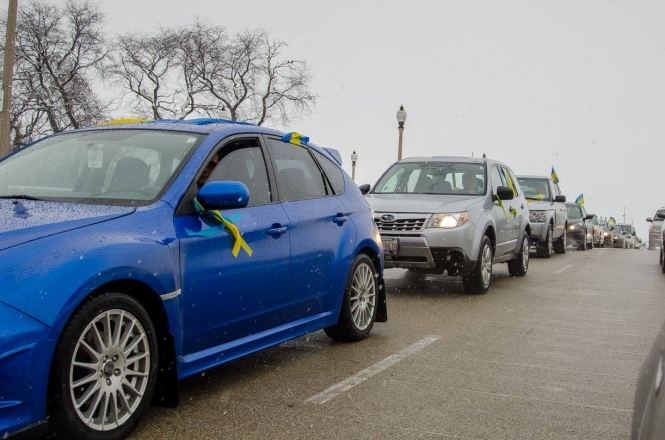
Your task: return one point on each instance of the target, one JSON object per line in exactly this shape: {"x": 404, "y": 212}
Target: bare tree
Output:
{"x": 203, "y": 70}
{"x": 145, "y": 67}
{"x": 248, "y": 75}
{"x": 58, "y": 52}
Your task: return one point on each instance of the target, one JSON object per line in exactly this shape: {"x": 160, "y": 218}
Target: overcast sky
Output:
{"x": 575, "y": 85}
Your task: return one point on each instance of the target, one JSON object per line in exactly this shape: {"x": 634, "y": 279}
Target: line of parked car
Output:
{"x": 140, "y": 254}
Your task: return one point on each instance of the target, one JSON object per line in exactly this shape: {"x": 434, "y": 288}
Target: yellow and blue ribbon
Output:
{"x": 499, "y": 203}
{"x": 215, "y": 215}
{"x": 295, "y": 138}
{"x": 513, "y": 211}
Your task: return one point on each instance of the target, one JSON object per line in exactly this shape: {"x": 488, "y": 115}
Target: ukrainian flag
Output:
{"x": 580, "y": 199}
{"x": 611, "y": 220}
{"x": 295, "y": 138}
{"x": 554, "y": 176}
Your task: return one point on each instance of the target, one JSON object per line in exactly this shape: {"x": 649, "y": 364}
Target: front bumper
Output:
{"x": 538, "y": 231}
{"x": 454, "y": 250}
{"x": 654, "y": 240}
{"x": 26, "y": 348}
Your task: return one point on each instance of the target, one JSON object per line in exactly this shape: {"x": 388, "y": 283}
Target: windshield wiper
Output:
{"x": 21, "y": 196}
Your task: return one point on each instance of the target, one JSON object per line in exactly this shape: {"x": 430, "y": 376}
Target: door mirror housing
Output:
{"x": 649, "y": 219}
{"x": 223, "y": 194}
{"x": 504, "y": 193}
{"x": 560, "y": 199}
{"x": 364, "y": 188}
{"x": 588, "y": 217}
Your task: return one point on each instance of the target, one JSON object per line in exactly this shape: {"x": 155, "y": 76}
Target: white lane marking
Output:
{"x": 564, "y": 268}
{"x": 370, "y": 371}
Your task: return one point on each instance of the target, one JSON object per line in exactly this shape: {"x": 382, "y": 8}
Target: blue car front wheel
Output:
{"x": 104, "y": 370}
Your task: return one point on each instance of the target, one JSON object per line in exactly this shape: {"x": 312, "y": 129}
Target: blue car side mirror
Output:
{"x": 224, "y": 194}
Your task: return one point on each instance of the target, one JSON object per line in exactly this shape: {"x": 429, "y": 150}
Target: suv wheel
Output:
{"x": 560, "y": 245}
{"x": 479, "y": 280}
{"x": 544, "y": 250}
{"x": 520, "y": 264}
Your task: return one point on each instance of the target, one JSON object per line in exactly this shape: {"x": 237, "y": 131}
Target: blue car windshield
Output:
{"x": 456, "y": 178}
{"x": 100, "y": 166}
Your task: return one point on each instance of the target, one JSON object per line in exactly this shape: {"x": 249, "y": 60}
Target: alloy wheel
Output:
{"x": 363, "y": 298}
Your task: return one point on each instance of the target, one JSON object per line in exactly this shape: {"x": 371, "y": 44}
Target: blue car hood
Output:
{"x": 27, "y": 220}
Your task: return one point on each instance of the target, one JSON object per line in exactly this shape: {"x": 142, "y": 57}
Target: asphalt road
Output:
{"x": 554, "y": 354}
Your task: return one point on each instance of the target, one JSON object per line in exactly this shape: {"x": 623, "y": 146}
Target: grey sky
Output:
{"x": 575, "y": 85}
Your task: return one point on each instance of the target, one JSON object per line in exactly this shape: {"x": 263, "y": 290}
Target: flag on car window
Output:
{"x": 295, "y": 138}
{"x": 580, "y": 199}
{"x": 611, "y": 220}
{"x": 554, "y": 176}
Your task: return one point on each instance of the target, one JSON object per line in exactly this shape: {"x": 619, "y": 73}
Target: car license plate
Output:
{"x": 390, "y": 244}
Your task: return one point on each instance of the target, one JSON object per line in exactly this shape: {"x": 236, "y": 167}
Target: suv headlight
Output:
{"x": 537, "y": 216}
{"x": 448, "y": 221}
{"x": 575, "y": 227}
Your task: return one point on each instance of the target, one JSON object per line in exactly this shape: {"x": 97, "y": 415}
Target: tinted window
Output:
{"x": 298, "y": 176}
{"x": 332, "y": 172}
{"x": 245, "y": 164}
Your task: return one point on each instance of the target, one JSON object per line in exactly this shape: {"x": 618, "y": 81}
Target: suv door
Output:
{"x": 504, "y": 242}
{"x": 224, "y": 297}
{"x": 560, "y": 212}
{"x": 321, "y": 235}
{"x": 515, "y": 207}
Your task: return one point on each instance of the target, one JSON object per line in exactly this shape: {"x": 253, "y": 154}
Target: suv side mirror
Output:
{"x": 560, "y": 199}
{"x": 588, "y": 217}
{"x": 649, "y": 219}
{"x": 504, "y": 193}
{"x": 364, "y": 188}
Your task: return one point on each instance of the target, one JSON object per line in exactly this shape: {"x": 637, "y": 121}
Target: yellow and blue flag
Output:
{"x": 295, "y": 138}
{"x": 554, "y": 176}
{"x": 580, "y": 199}
{"x": 612, "y": 221}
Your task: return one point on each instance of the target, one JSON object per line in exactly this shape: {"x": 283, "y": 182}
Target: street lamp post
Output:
{"x": 401, "y": 117}
{"x": 354, "y": 158}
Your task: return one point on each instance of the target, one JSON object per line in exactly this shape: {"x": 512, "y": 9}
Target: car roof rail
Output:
{"x": 199, "y": 121}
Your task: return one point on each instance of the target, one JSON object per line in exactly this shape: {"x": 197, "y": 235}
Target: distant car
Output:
{"x": 607, "y": 235}
{"x": 598, "y": 232}
{"x": 629, "y": 232}
{"x": 460, "y": 215}
{"x": 649, "y": 406}
{"x": 137, "y": 255}
{"x": 547, "y": 214}
{"x": 580, "y": 228}
{"x": 618, "y": 237}
{"x": 655, "y": 228}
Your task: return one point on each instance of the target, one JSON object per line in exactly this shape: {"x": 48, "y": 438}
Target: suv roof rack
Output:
{"x": 199, "y": 121}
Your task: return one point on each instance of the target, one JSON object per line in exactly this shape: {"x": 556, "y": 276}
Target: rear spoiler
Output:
{"x": 335, "y": 154}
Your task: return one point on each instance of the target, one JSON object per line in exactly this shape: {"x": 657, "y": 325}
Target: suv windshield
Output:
{"x": 535, "y": 189}
{"x": 433, "y": 178}
{"x": 101, "y": 167}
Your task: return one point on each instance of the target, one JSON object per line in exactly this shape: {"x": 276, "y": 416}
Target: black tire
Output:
{"x": 115, "y": 382}
{"x": 581, "y": 246}
{"x": 546, "y": 249}
{"x": 660, "y": 256}
{"x": 561, "y": 244}
{"x": 362, "y": 276}
{"x": 479, "y": 280}
{"x": 662, "y": 261}
{"x": 520, "y": 265}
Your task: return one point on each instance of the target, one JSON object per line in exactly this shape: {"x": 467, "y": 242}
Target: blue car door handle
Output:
{"x": 339, "y": 219}
{"x": 276, "y": 230}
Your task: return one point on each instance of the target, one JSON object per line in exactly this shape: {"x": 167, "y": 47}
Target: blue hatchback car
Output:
{"x": 132, "y": 256}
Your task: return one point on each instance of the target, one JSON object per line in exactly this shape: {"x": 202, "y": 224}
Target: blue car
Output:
{"x": 133, "y": 256}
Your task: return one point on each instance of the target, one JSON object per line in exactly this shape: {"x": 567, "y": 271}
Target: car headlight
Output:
{"x": 606, "y": 234}
{"x": 537, "y": 216}
{"x": 574, "y": 227}
{"x": 448, "y": 221}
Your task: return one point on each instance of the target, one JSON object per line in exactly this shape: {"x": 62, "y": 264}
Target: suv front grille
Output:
{"x": 402, "y": 224}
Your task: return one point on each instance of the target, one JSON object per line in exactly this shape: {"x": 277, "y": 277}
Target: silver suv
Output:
{"x": 655, "y": 228}
{"x": 547, "y": 214}
{"x": 454, "y": 214}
